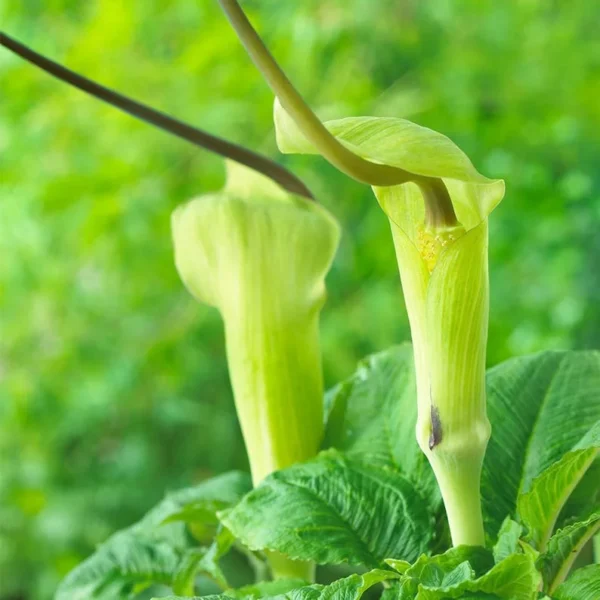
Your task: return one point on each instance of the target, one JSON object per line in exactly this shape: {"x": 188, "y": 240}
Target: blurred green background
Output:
{"x": 113, "y": 382}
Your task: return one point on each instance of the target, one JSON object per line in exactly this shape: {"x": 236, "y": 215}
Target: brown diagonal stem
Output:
{"x": 161, "y": 120}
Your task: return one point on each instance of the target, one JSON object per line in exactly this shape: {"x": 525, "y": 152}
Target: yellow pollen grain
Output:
{"x": 431, "y": 243}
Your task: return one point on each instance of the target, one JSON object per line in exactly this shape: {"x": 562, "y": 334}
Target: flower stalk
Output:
{"x": 448, "y": 308}
{"x": 335, "y": 152}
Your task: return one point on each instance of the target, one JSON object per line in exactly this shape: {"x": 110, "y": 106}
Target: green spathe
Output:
{"x": 260, "y": 255}
{"x": 444, "y": 275}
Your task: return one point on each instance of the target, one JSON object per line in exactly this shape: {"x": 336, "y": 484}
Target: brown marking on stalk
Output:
{"x": 435, "y": 437}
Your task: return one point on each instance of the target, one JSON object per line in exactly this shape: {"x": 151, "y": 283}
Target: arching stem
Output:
{"x": 335, "y": 152}
{"x": 437, "y": 201}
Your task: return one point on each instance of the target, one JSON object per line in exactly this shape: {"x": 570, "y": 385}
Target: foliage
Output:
{"x": 112, "y": 383}
{"x": 336, "y": 509}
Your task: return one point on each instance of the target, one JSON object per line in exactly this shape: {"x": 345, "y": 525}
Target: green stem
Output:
{"x": 336, "y": 153}
{"x": 196, "y": 136}
{"x": 459, "y": 482}
{"x": 277, "y": 383}
{"x": 439, "y": 209}
{"x": 454, "y": 437}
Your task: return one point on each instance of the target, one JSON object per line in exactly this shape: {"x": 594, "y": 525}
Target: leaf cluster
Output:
{"x": 369, "y": 501}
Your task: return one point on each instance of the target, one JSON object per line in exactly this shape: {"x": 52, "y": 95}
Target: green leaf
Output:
{"x": 583, "y": 584}
{"x": 539, "y": 508}
{"x": 334, "y": 509}
{"x": 585, "y": 497}
{"x": 124, "y": 561}
{"x": 508, "y": 539}
{"x": 401, "y": 566}
{"x": 515, "y": 578}
{"x": 372, "y": 416}
{"x": 205, "y": 561}
{"x": 443, "y": 571}
{"x": 198, "y": 506}
{"x": 458, "y": 575}
{"x": 529, "y": 550}
{"x": 157, "y": 548}
{"x": 479, "y": 559}
{"x": 469, "y": 572}
{"x": 541, "y": 407}
{"x": 409, "y": 588}
{"x": 377, "y": 576}
{"x": 391, "y": 592}
{"x": 563, "y": 548}
{"x": 433, "y": 577}
{"x": 207, "y": 597}
{"x": 184, "y": 577}
{"x": 349, "y": 588}
{"x": 146, "y": 553}
{"x": 209, "y": 563}
{"x": 267, "y": 588}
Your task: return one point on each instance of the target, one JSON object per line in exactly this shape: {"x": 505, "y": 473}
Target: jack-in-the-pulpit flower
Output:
{"x": 260, "y": 255}
{"x": 443, "y": 267}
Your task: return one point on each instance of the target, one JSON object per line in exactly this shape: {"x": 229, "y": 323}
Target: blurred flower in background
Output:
{"x": 113, "y": 385}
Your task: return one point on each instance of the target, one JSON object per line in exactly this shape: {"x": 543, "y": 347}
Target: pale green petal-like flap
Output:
{"x": 253, "y": 238}
{"x": 416, "y": 149}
